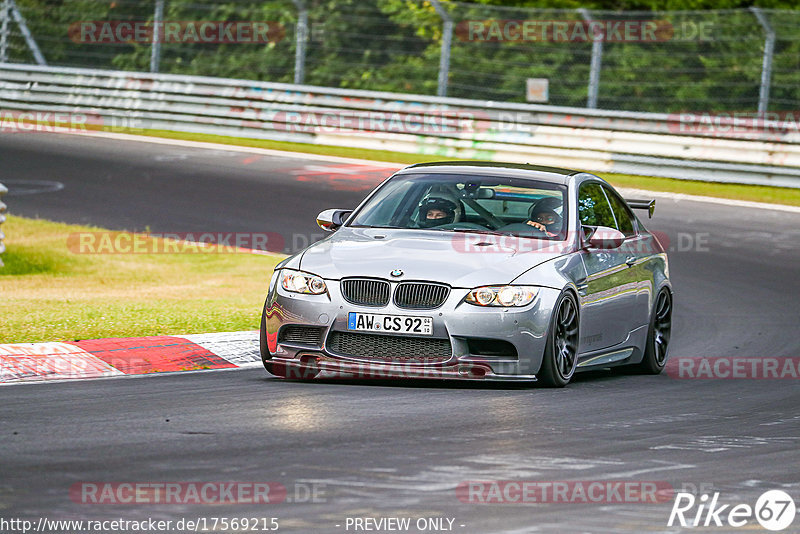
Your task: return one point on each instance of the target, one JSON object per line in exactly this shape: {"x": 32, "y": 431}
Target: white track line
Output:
{"x": 232, "y": 148}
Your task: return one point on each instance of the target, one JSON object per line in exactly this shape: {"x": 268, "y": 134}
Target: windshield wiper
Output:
{"x": 495, "y": 232}
{"x": 378, "y": 227}
{"x": 472, "y": 231}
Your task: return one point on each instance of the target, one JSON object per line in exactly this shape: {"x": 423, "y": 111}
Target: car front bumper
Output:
{"x": 524, "y": 329}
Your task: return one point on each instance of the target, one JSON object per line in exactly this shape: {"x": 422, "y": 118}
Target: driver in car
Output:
{"x": 436, "y": 212}
{"x": 543, "y": 217}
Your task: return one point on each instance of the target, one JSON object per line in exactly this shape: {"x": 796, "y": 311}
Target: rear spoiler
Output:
{"x": 649, "y": 205}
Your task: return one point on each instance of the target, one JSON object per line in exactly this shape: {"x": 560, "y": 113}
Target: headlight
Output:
{"x": 297, "y": 282}
{"x": 503, "y": 296}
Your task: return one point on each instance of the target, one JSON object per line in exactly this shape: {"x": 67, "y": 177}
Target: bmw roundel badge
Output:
{"x": 397, "y": 272}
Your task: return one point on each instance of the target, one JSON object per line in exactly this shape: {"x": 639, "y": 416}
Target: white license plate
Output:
{"x": 394, "y": 324}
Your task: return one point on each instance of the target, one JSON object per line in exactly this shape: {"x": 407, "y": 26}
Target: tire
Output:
{"x": 658, "y": 334}
{"x": 561, "y": 351}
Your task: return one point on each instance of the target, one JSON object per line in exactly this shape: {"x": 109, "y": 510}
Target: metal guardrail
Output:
{"x": 3, "y": 191}
{"x": 762, "y": 152}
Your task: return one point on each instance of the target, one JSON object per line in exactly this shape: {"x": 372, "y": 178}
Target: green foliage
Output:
{"x": 711, "y": 58}
{"x": 51, "y": 292}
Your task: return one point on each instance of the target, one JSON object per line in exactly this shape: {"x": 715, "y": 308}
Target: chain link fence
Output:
{"x": 660, "y": 61}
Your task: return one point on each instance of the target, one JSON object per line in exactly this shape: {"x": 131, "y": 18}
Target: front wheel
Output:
{"x": 658, "y": 334}
{"x": 561, "y": 351}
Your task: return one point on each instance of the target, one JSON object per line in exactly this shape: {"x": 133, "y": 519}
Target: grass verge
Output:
{"x": 756, "y": 193}
{"x": 50, "y": 293}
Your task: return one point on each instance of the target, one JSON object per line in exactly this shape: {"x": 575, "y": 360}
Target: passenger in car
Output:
{"x": 544, "y": 221}
{"x": 543, "y": 217}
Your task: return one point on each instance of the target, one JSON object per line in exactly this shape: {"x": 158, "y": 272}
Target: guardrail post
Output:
{"x": 155, "y": 50}
{"x": 766, "y": 64}
{"x": 596, "y": 65}
{"x": 3, "y": 191}
{"x": 447, "y": 42}
{"x": 301, "y": 37}
{"x": 5, "y": 11}
{"x": 26, "y": 33}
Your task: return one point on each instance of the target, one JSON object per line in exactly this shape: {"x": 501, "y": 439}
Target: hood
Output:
{"x": 463, "y": 260}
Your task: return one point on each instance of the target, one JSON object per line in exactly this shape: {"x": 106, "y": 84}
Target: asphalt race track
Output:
{"x": 378, "y": 449}
{"x": 134, "y": 186}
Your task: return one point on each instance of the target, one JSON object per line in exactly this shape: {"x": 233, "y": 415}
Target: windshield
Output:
{"x": 473, "y": 203}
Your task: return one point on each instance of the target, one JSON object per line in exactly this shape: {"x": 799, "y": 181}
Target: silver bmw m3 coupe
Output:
{"x": 474, "y": 271}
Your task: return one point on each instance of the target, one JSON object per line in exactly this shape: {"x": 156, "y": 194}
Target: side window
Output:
{"x": 593, "y": 208}
{"x": 621, "y": 213}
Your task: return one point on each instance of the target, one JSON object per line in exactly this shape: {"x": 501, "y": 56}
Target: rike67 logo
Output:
{"x": 774, "y": 510}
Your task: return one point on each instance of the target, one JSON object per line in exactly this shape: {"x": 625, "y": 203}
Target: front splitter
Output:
{"x": 307, "y": 366}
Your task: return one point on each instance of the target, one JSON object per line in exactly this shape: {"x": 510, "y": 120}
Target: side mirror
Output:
{"x": 330, "y": 220}
{"x": 603, "y": 237}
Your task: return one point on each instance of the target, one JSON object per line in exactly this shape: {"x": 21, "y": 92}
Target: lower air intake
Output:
{"x": 394, "y": 349}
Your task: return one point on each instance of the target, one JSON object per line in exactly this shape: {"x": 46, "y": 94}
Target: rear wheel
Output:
{"x": 561, "y": 351}
{"x": 658, "y": 334}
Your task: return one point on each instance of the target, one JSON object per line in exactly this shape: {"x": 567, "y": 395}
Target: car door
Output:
{"x": 608, "y": 295}
{"x": 638, "y": 250}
